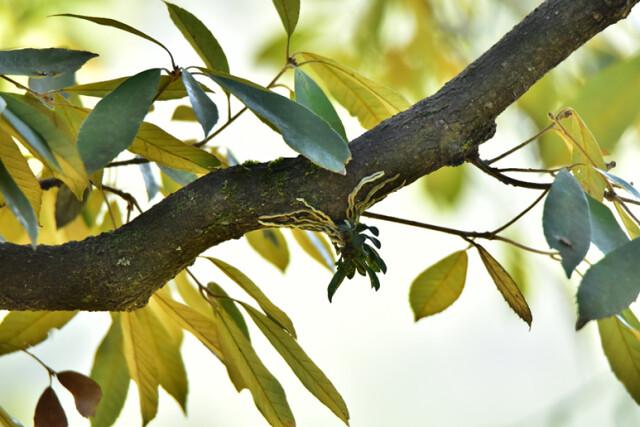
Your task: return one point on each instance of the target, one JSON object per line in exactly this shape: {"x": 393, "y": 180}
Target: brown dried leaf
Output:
{"x": 86, "y": 392}
{"x": 49, "y": 412}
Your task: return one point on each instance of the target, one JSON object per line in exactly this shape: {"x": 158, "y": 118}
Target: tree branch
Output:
{"x": 121, "y": 269}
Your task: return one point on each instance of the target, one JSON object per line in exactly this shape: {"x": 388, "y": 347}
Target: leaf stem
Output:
{"x": 49, "y": 370}
{"x": 521, "y": 145}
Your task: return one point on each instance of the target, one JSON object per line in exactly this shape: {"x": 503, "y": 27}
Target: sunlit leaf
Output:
{"x": 199, "y": 37}
{"x": 23, "y": 329}
{"x": 271, "y": 245}
{"x": 506, "y": 286}
{"x": 42, "y": 62}
{"x": 49, "y": 412}
{"x": 370, "y": 102}
{"x": 114, "y": 122}
{"x": 629, "y": 224}
{"x": 184, "y": 113}
{"x": 204, "y": 108}
{"x": 309, "y": 374}
{"x": 289, "y": 11}
{"x": 610, "y": 285}
{"x": 111, "y": 373}
{"x": 18, "y": 204}
{"x": 316, "y": 245}
{"x": 229, "y": 306}
{"x": 189, "y": 292}
{"x": 17, "y": 166}
{"x": 86, "y": 392}
{"x": 566, "y": 221}
{"x": 606, "y": 233}
{"x": 301, "y": 129}
{"x": 439, "y": 286}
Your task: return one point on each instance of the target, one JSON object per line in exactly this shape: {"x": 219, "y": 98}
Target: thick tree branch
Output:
{"x": 121, "y": 269}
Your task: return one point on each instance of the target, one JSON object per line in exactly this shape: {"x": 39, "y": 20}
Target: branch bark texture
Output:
{"x": 120, "y": 270}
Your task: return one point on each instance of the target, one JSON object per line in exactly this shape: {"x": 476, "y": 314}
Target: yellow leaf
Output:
{"x": 23, "y": 329}
{"x": 316, "y": 245}
{"x": 438, "y": 286}
{"x": 307, "y": 372}
{"x": 632, "y": 228}
{"x": 191, "y": 296}
{"x": 141, "y": 360}
{"x": 370, "y": 102}
{"x": 18, "y": 168}
{"x": 506, "y": 285}
{"x": 271, "y": 245}
{"x": 252, "y": 289}
{"x": 174, "y": 88}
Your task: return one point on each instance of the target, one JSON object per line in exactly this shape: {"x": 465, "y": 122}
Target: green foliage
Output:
{"x": 42, "y": 62}
{"x": 204, "y": 108}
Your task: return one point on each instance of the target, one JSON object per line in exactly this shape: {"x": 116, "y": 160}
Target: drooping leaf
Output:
{"x": 206, "y": 111}
{"x": 68, "y": 207}
{"x": 370, "y": 102}
{"x": 199, "y": 37}
{"x": 184, "y": 113}
{"x": 229, "y": 306}
{"x": 141, "y": 361}
{"x": 18, "y": 204}
{"x": 289, "y": 11}
{"x": 616, "y": 180}
{"x": 566, "y": 222}
{"x": 254, "y": 291}
{"x": 181, "y": 177}
{"x": 439, "y": 286}
{"x": 629, "y": 224}
{"x": 47, "y": 84}
{"x": 267, "y": 392}
{"x": 301, "y": 129}
{"x": 150, "y": 183}
{"x": 309, "y": 94}
{"x": 621, "y": 344}
{"x": 23, "y": 329}
{"x": 316, "y": 245}
{"x": 305, "y": 369}
{"x": 49, "y": 412}
{"x": 271, "y": 245}
{"x": 111, "y": 373}
{"x": 20, "y": 172}
{"x": 114, "y": 122}
{"x": 610, "y": 285}
{"x": 606, "y": 233}
{"x": 47, "y": 62}
{"x": 189, "y": 292}
{"x": 507, "y": 287}
{"x": 86, "y": 392}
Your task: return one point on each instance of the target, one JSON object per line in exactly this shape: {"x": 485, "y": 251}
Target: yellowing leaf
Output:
{"x": 254, "y": 291}
{"x": 23, "y": 329}
{"x": 307, "y": 372}
{"x": 7, "y": 420}
{"x": 506, "y": 285}
{"x": 191, "y": 296}
{"x": 17, "y": 166}
{"x": 289, "y": 11}
{"x": 632, "y": 228}
{"x": 370, "y": 102}
{"x": 141, "y": 361}
{"x": 316, "y": 245}
{"x": 438, "y": 286}
{"x": 271, "y": 245}
{"x": 174, "y": 89}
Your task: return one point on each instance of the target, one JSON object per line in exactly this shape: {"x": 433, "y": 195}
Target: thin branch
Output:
{"x": 480, "y": 164}
{"x": 520, "y": 146}
{"x": 521, "y": 214}
{"x": 49, "y": 370}
{"x": 18, "y": 84}
{"x": 134, "y": 161}
{"x": 127, "y": 197}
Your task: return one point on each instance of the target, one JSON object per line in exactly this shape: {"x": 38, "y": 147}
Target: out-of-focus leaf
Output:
{"x": 181, "y": 177}
{"x": 254, "y": 291}
{"x": 204, "y": 108}
{"x": 112, "y": 218}
{"x": 140, "y": 356}
{"x": 229, "y": 306}
{"x": 6, "y": 420}
{"x": 307, "y": 372}
{"x": 114, "y": 122}
{"x": 86, "y": 392}
{"x": 620, "y": 337}
{"x": 446, "y": 185}
{"x": 271, "y": 245}
{"x": 199, "y": 37}
{"x": 110, "y": 372}
{"x": 506, "y": 286}
{"x": 301, "y": 129}
{"x": 23, "y": 329}
{"x": 49, "y": 412}
{"x": 309, "y": 94}
{"x": 610, "y": 285}
{"x": 566, "y": 222}
{"x": 150, "y": 183}
{"x": 184, "y": 113}
{"x": 289, "y": 11}
{"x": 68, "y": 207}
{"x": 20, "y": 172}
{"x": 370, "y": 102}
{"x": 616, "y": 180}
{"x": 42, "y": 62}
{"x": 438, "y": 286}
{"x": 316, "y": 245}
{"x": 606, "y": 233}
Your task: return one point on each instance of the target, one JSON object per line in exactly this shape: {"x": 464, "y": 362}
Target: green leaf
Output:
{"x": 267, "y": 392}
{"x": 606, "y": 233}
{"x": 254, "y": 291}
{"x": 301, "y": 129}
{"x": 616, "y": 180}
{"x": 229, "y": 306}
{"x": 271, "y": 245}
{"x": 20, "y": 172}
{"x": 289, "y": 11}
{"x": 18, "y": 204}
{"x": 566, "y": 222}
{"x": 22, "y": 329}
{"x": 110, "y": 372}
{"x": 610, "y": 285}
{"x": 42, "y": 62}
{"x": 370, "y": 102}
{"x": 506, "y": 285}
{"x": 629, "y": 223}
{"x": 206, "y": 111}
{"x": 150, "y": 183}
{"x": 446, "y": 186}
{"x": 439, "y": 286}
{"x": 199, "y": 37}
{"x": 184, "y": 113}
{"x": 307, "y": 372}
{"x": 68, "y": 207}
{"x": 316, "y": 245}
{"x": 47, "y": 84}
{"x": 173, "y": 88}
{"x": 309, "y": 94}
{"x": 114, "y": 122}
{"x": 620, "y": 337}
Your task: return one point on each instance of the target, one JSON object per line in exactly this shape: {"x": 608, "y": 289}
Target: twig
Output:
{"x": 134, "y": 161}
{"x": 521, "y": 214}
{"x": 49, "y": 370}
{"x": 484, "y": 167}
{"x": 521, "y": 145}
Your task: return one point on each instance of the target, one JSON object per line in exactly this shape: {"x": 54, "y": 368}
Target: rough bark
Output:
{"x": 121, "y": 269}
